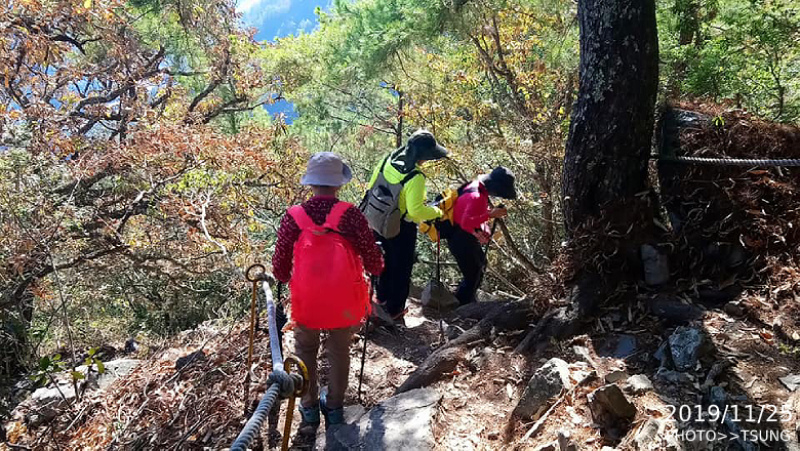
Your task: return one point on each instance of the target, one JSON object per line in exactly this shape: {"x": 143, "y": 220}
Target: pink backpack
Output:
{"x": 329, "y": 290}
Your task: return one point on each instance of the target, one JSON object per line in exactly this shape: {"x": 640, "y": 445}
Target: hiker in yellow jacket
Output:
{"x": 399, "y": 177}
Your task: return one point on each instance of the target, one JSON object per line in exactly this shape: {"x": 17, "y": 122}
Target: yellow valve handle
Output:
{"x": 303, "y": 369}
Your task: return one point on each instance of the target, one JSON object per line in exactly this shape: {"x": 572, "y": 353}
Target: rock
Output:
{"x": 564, "y": 443}
{"x": 647, "y": 434}
{"x": 684, "y": 346}
{"x": 735, "y": 309}
{"x": 116, "y": 369}
{"x": 131, "y": 346}
{"x": 792, "y": 381}
{"x": 545, "y": 384}
{"x": 494, "y": 435}
{"x": 673, "y": 377}
{"x": 673, "y": 310}
{"x": 626, "y": 346}
{"x": 452, "y": 332}
{"x": 656, "y": 266}
{"x": 36, "y": 418}
{"x": 615, "y": 376}
{"x": 55, "y": 397}
{"x": 583, "y": 353}
{"x": 436, "y": 295}
{"x": 618, "y": 346}
{"x": 735, "y": 429}
{"x": 46, "y": 402}
{"x": 662, "y": 355}
{"x": 402, "y": 422}
{"x": 717, "y": 396}
{"x": 639, "y": 384}
{"x": 197, "y": 356}
{"x": 609, "y": 406}
{"x": 548, "y": 447}
{"x": 326, "y": 438}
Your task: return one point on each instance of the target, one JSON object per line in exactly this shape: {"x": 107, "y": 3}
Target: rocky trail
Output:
{"x": 632, "y": 382}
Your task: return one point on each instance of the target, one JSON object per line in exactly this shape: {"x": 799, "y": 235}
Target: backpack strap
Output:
{"x": 410, "y": 176}
{"x": 466, "y": 188}
{"x": 407, "y": 178}
{"x": 383, "y": 165}
{"x": 335, "y": 215}
{"x": 301, "y": 217}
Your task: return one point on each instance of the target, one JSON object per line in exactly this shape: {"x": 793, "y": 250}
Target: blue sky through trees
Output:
{"x": 278, "y": 18}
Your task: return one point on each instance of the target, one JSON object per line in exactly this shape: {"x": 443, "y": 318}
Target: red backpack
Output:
{"x": 329, "y": 290}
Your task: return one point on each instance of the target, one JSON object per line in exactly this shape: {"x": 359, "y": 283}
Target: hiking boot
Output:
{"x": 309, "y": 420}
{"x": 332, "y": 416}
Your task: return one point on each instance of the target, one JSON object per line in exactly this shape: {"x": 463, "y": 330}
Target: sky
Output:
{"x": 278, "y": 18}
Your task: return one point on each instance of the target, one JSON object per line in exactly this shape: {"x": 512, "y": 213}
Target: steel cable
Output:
{"x": 732, "y": 161}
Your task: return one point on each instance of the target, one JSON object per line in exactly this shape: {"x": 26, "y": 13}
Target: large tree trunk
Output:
{"x": 612, "y": 123}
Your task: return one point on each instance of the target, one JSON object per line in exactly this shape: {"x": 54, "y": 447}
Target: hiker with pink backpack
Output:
{"x": 324, "y": 246}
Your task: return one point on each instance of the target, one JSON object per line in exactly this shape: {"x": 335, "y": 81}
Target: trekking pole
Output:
{"x": 254, "y": 280}
{"x": 439, "y": 282}
{"x": 486, "y": 250}
{"x": 366, "y": 331}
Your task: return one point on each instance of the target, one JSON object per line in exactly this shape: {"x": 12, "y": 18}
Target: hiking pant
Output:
{"x": 306, "y": 346}
{"x": 398, "y": 257}
{"x": 469, "y": 255}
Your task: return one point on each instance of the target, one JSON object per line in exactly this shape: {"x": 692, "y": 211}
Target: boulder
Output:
{"x": 53, "y": 396}
{"x": 684, "y": 346}
{"x": 46, "y": 402}
{"x": 638, "y": 384}
{"x": 113, "y": 370}
{"x": 436, "y": 295}
{"x": 544, "y": 385}
{"x": 610, "y": 407}
{"x": 402, "y": 422}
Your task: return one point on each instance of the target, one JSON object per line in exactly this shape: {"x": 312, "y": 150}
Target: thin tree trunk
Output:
{"x": 400, "y": 114}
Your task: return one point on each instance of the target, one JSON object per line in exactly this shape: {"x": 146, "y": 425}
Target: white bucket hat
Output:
{"x": 326, "y": 169}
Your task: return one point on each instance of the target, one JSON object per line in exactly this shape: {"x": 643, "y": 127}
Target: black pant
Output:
{"x": 469, "y": 255}
{"x": 398, "y": 255}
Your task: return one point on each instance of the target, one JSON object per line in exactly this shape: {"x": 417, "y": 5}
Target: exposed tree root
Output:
{"x": 498, "y": 316}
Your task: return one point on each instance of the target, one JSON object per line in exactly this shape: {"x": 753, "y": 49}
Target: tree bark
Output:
{"x": 612, "y": 123}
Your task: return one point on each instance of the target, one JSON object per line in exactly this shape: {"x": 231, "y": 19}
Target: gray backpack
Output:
{"x": 380, "y": 204}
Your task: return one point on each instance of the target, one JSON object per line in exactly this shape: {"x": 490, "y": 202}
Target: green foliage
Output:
{"x": 745, "y": 52}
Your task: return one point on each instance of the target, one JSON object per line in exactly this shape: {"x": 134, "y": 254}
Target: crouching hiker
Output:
{"x": 470, "y": 217}
{"x": 323, "y": 247}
